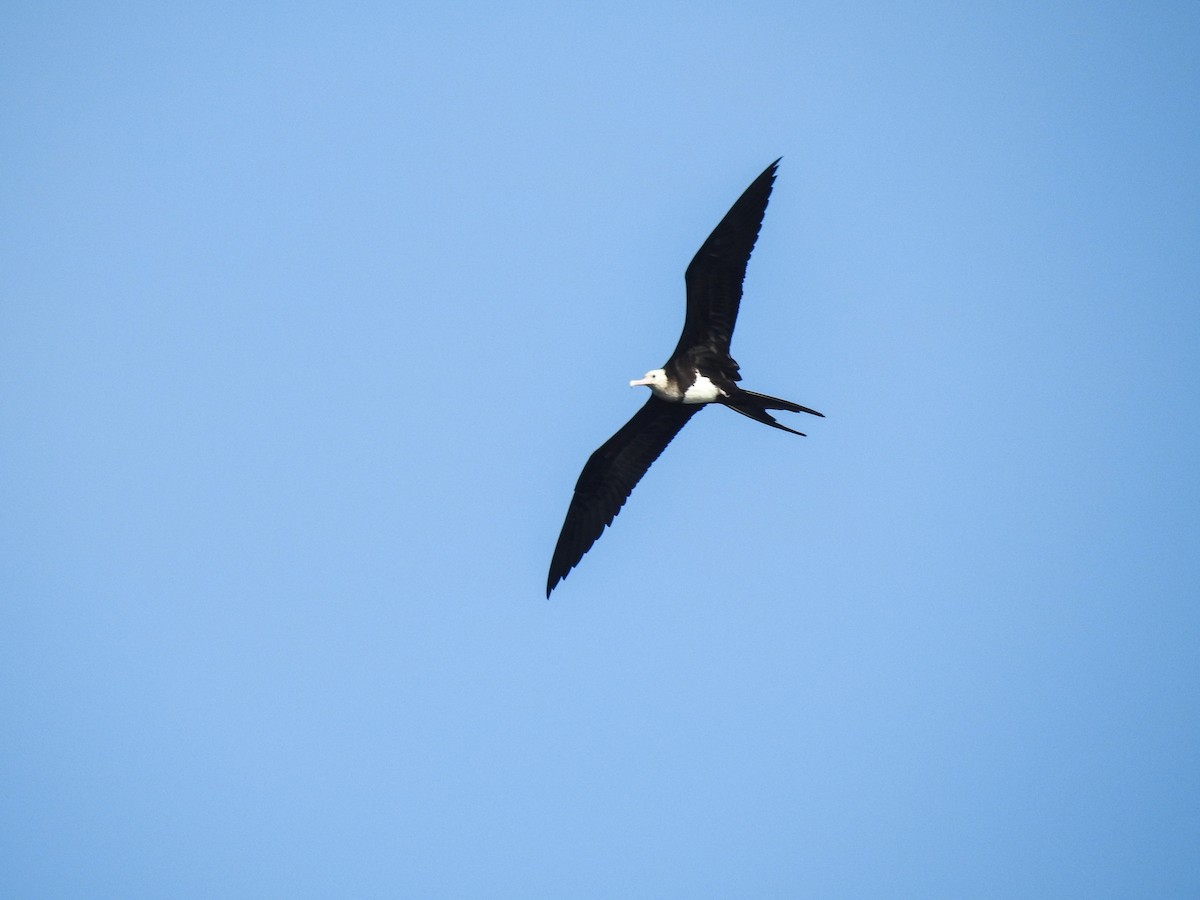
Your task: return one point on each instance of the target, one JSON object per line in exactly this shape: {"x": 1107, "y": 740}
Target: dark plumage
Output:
{"x": 700, "y": 371}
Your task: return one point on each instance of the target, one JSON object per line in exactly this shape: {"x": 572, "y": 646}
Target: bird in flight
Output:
{"x": 699, "y": 372}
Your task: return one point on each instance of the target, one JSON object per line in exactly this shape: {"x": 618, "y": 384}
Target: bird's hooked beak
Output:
{"x": 646, "y": 381}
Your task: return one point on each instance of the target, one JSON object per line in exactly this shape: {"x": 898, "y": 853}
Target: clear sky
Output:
{"x": 311, "y": 313}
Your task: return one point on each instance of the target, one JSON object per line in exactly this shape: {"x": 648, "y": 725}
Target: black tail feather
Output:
{"x": 755, "y": 406}
{"x": 775, "y": 403}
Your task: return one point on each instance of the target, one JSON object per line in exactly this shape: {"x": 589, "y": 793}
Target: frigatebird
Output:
{"x": 699, "y": 372}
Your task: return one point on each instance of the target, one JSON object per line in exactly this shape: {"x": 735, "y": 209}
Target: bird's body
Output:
{"x": 685, "y": 387}
{"x": 699, "y": 372}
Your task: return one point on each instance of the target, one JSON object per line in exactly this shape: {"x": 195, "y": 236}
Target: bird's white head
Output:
{"x": 655, "y": 378}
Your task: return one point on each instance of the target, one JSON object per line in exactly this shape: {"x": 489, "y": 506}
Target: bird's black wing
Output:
{"x": 714, "y": 276}
{"x": 609, "y": 477}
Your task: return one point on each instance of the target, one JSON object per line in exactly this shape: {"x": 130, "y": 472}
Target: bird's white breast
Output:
{"x": 701, "y": 391}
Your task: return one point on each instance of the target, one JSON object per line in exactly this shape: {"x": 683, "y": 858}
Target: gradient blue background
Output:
{"x": 312, "y": 313}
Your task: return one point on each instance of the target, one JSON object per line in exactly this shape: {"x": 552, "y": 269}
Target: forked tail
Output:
{"x": 755, "y": 406}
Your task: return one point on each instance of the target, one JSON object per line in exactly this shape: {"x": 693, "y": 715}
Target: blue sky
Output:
{"x": 310, "y": 316}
